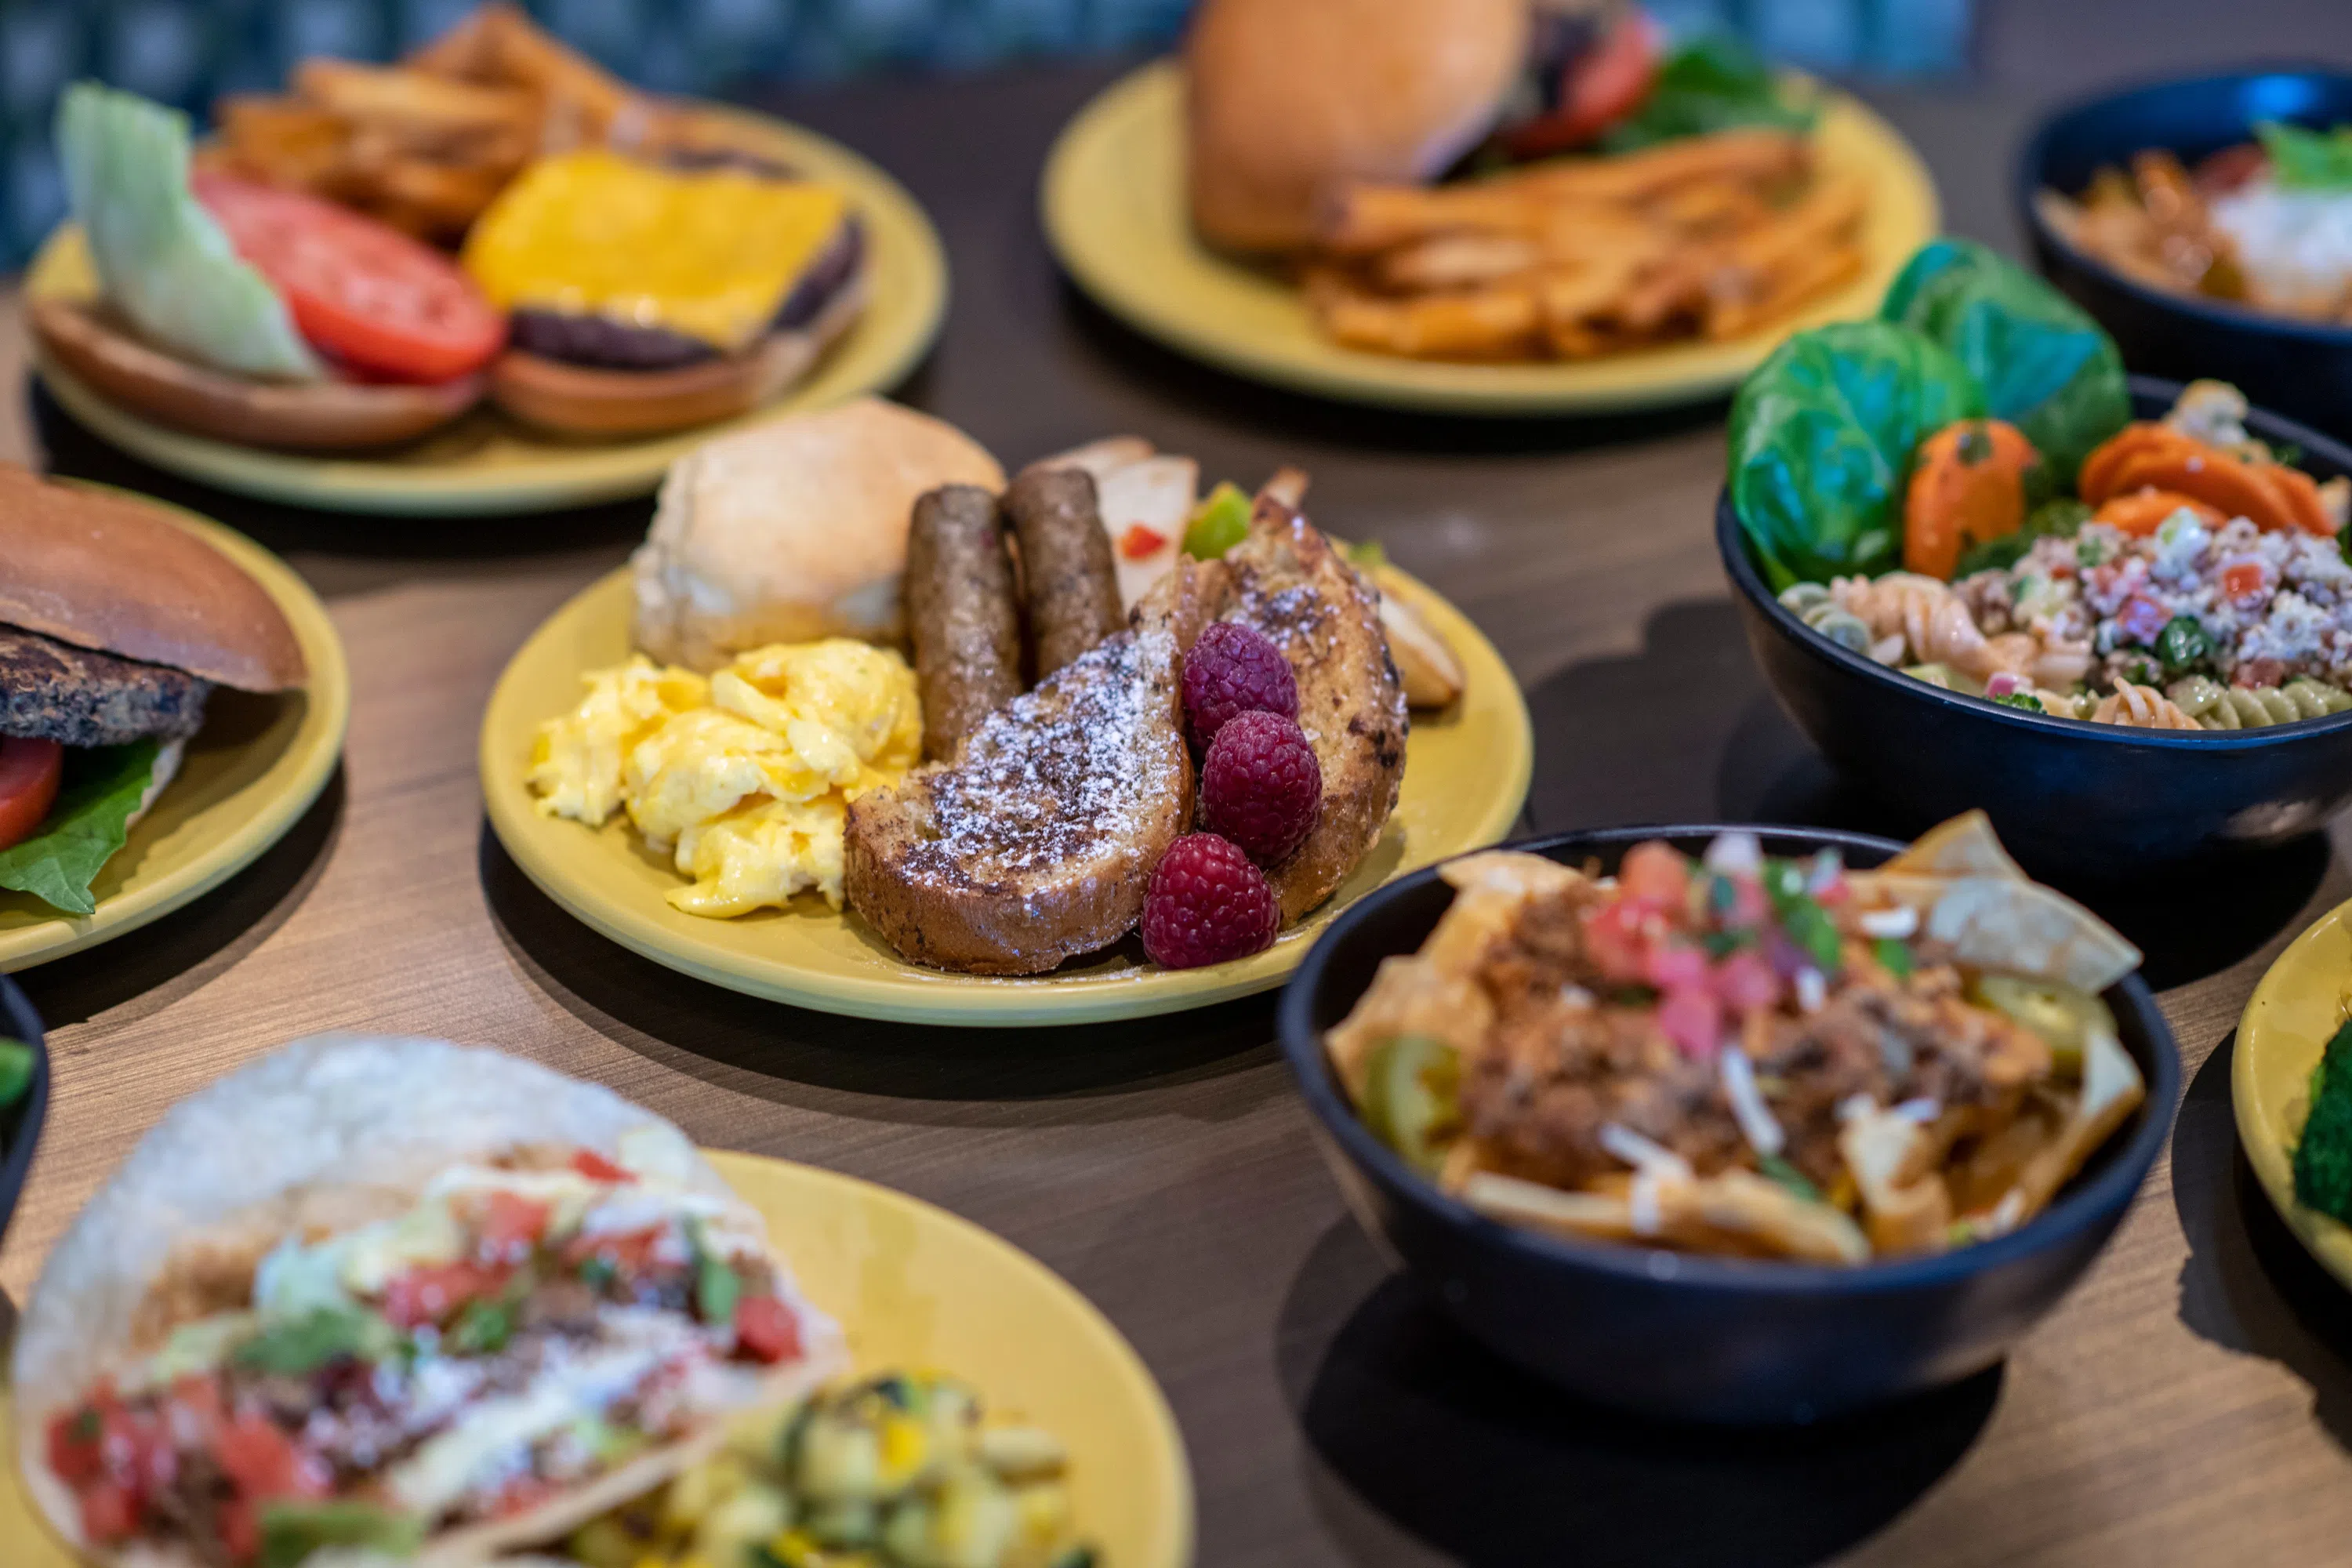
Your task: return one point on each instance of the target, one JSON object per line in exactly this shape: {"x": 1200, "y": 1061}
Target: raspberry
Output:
{"x": 1261, "y": 784}
{"x": 1233, "y": 669}
{"x": 1206, "y": 904}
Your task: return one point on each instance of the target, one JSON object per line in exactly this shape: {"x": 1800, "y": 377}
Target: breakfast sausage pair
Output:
{"x": 961, "y": 597}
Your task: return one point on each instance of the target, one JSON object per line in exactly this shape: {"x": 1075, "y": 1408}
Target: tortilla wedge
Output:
{"x": 1964, "y": 847}
{"x": 2009, "y": 927}
{"x": 1733, "y": 1205}
{"x": 329, "y": 1133}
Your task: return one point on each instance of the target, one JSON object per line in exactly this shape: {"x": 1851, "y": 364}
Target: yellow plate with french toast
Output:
{"x": 1465, "y": 778}
{"x": 246, "y": 779}
{"x": 1115, "y": 212}
{"x": 488, "y": 463}
{"x": 917, "y": 1288}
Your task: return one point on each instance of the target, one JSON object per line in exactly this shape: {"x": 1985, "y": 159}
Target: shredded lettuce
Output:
{"x": 102, "y": 788}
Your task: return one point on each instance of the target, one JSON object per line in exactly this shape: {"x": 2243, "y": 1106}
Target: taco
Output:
{"x": 398, "y": 1298}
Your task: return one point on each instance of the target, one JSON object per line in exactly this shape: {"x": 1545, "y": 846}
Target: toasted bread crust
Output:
{"x": 1289, "y": 584}
{"x": 1037, "y": 843}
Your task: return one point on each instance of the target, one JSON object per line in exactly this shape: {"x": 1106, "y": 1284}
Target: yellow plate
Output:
{"x": 2303, "y": 999}
{"x": 247, "y": 776}
{"x": 1465, "y": 778}
{"x": 917, "y": 1288}
{"x": 487, "y": 463}
{"x": 1115, "y": 212}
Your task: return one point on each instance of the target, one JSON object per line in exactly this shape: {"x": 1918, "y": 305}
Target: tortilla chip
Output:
{"x": 2009, "y": 927}
{"x": 1964, "y": 847}
{"x": 2112, "y": 1089}
{"x": 1410, "y": 995}
{"x": 1892, "y": 1160}
{"x": 1736, "y": 1211}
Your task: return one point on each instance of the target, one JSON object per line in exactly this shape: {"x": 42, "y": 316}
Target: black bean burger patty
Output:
{"x": 51, "y": 690}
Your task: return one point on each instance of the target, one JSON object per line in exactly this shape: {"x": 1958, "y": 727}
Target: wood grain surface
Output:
{"x": 2189, "y": 1403}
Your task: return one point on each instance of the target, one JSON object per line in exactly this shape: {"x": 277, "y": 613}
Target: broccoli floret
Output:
{"x": 2323, "y": 1159}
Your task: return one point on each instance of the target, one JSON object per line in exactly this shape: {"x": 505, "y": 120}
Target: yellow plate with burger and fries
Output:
{"x": 1612, "y": 283}
{"x": 489, "y": 279}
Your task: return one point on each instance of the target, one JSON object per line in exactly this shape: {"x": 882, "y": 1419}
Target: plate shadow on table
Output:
{"x": 170, "y": 957}
{"x": 76, "y": 452}
{"x": 2247, "y": 1284}
{"x": 1411, "y": 1420}
{"x": 903, "y": 1072}
{"x": 1686, "y": 730}
{"x": 1220, "y": 397}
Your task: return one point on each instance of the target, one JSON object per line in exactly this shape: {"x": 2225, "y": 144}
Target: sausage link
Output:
{"x": 960, "y": 610}
{"x": 1071, "y": 582}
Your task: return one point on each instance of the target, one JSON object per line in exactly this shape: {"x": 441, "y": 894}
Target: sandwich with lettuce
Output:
{"x": 116, "y": 625}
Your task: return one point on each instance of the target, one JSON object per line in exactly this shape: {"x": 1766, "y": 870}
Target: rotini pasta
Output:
{"x": 2220, "y": 707}
{"x": 2143, "y": 708}
{"x": 1813, "y": 605}
{"x": 1913, "y": 619}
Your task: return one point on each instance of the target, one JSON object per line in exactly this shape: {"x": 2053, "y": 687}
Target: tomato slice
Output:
{"x": 386, "y": 305}
{"x": 1602, "y": 86}
{"x": 29, "y": 771}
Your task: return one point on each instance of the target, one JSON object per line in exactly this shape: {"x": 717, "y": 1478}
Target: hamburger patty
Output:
{"x": 51, "y": 690}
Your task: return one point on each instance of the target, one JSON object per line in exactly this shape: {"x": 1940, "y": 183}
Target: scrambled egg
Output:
{"x": 743, "y": 779}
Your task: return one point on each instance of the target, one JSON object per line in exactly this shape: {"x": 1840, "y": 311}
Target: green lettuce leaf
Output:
{"x": 1823, "y": 437}
{"x": 162, "y": 259}
{"x": 2045, "y": 366}
{"x": 102, "y": 788}
{"x": 2308, "y": 160}
{"x": 1708, "y": 85}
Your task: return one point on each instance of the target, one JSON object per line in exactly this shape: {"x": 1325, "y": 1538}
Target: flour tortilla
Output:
{"x": 334, "y": 1130}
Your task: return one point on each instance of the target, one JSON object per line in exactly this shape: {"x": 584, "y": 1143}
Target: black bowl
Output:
{"x": 1705, "y": 1339}
{"x": 2071, "y": 799}
{"x": 20, "y": 1124}
{"x": 2303, "y": 369}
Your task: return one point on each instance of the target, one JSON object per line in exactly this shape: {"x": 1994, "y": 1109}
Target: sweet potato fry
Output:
{"x": 1364, "y": 219}
{"x": 1815, "y": 272}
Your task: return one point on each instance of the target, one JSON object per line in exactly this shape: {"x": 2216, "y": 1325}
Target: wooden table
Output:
{"x": 2190, "y": 1402}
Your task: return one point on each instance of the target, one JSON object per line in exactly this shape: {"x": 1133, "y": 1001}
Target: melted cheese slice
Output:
{"x": 711, "y": 253}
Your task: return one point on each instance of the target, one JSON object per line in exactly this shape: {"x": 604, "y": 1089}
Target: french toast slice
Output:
{"x": 1037, "y": 842}
{"x": 1291, "y": 585}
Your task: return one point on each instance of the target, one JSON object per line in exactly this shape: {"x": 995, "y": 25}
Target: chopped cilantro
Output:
{"x": 1780, "y": 1171}
{"x": 483, "y": 1328}
{"x": 1811, "y": 927}
{"x": 299, "y": 1346}
{"x": 599, "y": 1272}
{"x": 1894, "y": 956}
{"x": 2090, "y": 552}
{"x": 1722, "y": 944}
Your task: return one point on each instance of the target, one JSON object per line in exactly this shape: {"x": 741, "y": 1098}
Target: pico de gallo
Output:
{"x": 530, "y": 1323}
{"x": 1745, "y": 1053}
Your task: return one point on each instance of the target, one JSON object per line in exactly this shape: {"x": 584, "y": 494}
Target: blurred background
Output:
{"x": 187, "y": 52}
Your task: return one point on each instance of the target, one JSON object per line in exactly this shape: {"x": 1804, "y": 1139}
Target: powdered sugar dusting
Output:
{"x": 1058, "y": 776}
